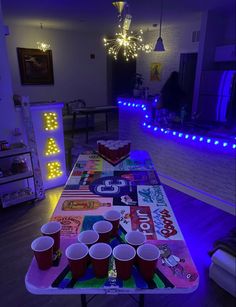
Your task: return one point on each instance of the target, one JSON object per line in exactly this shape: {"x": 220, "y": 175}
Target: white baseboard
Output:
{"x": 198, "y": 194}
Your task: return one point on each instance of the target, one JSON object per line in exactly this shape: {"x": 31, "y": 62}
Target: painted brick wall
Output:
{"x": 205, "y": 173}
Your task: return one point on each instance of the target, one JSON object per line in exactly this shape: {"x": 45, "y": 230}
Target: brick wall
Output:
{"x": 199, "y": 170}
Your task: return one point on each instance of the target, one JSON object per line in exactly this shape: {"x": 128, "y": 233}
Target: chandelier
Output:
{"x": 125, "y": 41}
{"x": 41, "y": 45}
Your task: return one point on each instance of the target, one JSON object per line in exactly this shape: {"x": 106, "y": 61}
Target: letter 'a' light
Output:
{"x": 51, "y": 147}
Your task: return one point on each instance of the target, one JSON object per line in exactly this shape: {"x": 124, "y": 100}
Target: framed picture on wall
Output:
{"x": 35, "y": 66}
{"x": 155, "y": 72}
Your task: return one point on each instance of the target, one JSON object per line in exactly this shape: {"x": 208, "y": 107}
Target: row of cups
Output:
{"x": 80, "y": 255}
{"x": 114, "y": 149}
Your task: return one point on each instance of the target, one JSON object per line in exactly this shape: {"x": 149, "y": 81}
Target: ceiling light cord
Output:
{"x": 161, "y": 17}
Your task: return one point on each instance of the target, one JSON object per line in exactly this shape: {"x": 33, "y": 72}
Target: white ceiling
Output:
{"x": 95, "y": 14}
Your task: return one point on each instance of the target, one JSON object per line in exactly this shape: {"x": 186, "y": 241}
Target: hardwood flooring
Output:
{"x": 201, "y": 225}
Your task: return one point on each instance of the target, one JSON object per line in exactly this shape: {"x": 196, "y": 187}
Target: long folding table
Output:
{"x": 133, "y": 188}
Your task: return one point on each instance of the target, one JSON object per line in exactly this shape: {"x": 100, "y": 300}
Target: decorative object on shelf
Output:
{"x": 54, "y": 169}
{"x": 35, "y": 66}
{"x": 50, "y": 121}
{"x": 51, "y": 147}
{"x": 155, "y": 72}
{"x": 42, "y": 45}
{"x": 130, "y": 42}
{"x": 39, "y": 189}
{"x": 19, "y": 165}
{"x": 159, "y": 44}
{"x": 4, "y": 145}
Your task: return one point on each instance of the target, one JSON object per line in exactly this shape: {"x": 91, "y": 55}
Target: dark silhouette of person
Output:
{"x": 172, "y": 95}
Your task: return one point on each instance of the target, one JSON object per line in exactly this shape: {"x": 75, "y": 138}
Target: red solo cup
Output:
{"x": 88, "y": 237}
{"x": 77, "y": 255}
{"x": 147, "y": 259}
{"x": 113, "y": 216}
{"x": 43, "y": 251}
{"x": 104, "y": 229}
{"x": 135, "y": 238}
{"x": 124, "y": 255}
{"x": 53, "y": 229}
{"x": 99, "y": 254}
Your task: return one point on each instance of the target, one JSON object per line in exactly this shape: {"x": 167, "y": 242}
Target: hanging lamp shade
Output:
{"x": 159, "y": 44}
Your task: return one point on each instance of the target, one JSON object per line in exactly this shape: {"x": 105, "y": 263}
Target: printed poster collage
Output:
{"x": 133, "y": 188}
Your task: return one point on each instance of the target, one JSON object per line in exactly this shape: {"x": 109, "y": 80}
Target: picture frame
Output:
{"x": 155, "y": 72}
{"x": 35, "y": 66}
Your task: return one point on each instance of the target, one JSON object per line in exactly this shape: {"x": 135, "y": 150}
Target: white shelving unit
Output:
{"x": 5, "y": 201}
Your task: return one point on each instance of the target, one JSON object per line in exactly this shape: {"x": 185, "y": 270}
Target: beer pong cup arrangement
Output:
{"x": 43, "y": 251}
{"x": 114, "y": 150}
{"x": 124, "y": 255}
{"x": 113, "y": 216}
{"x": 88, "y": 237}
{"x": 77, "y": 255}
{"x": 52, "y": 229}
{"x": 100, "y": 254}
{"x": 104, "y": 229}
{"x": 135, "y": 238}
{"x": 147, "y": 259}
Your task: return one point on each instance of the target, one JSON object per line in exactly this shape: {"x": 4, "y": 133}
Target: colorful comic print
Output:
{"x": 139, "y": 177}
{"x": 176, "y": 264}
{"x": 71, "y": 225}
{"x": 141, "y": 220}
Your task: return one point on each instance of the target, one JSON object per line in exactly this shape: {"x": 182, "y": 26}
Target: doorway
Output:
{"x": 187, "y": 71}
{"x": 120, "y": 78}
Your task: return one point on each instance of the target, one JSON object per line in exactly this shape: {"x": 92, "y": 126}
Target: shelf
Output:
{"x": 18, "y": 200}
{"x": 16, "y": 177}
{"x": 14, "y": 152}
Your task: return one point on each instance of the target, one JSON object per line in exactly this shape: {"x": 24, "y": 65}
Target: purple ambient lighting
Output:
{"x": 188, "y": 137}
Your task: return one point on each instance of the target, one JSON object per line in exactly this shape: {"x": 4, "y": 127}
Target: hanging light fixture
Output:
{"x": 42, "y": 45}
{"x": 130, "y": 42}
{"x": 159, "y": 44}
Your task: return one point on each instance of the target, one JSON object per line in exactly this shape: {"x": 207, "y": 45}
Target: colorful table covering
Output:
{"x": 132, "y": 187}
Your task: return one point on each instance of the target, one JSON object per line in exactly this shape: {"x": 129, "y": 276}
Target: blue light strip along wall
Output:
{"x": 211, "y": 141}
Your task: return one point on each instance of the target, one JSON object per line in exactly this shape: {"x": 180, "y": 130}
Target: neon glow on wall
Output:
{"x": 193, "y": 138}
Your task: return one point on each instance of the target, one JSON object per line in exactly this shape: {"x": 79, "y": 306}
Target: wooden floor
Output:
{"x": 201, "y": 224}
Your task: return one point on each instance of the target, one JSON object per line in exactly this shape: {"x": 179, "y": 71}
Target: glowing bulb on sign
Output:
{"x": 50, "y": 121}
{"x": 54, "y": 170}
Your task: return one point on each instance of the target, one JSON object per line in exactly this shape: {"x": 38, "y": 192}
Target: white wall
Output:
{"x": 75, "y": 74}
{"x": 177, "y": 39}
{"x": 9, "y": 119}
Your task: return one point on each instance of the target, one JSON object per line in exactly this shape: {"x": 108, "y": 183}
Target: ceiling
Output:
{"x": 95, "y": 14}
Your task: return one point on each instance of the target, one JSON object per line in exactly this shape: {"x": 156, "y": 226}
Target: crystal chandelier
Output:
{"x": 41, "y": 45}
{"x": 126, "y": 41}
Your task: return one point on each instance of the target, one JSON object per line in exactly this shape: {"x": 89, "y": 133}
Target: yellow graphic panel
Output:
{"x": 50, "y": 121}
{"x": 54, "y": 170}
{"x": 51, "y": 147}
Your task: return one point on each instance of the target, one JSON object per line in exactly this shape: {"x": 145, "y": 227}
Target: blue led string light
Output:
{"x": 188, "y": 137}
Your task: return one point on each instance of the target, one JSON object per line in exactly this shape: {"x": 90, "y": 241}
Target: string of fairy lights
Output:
{"x": 125, "y": 41}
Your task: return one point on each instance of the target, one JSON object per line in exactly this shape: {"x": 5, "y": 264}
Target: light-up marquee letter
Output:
{"x": 54, "y": 170}
{"x": 50, "y": 121}
{"x": 51, "y": 147}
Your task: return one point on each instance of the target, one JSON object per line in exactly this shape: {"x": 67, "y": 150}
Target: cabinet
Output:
{"x": 11, "y": 191}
